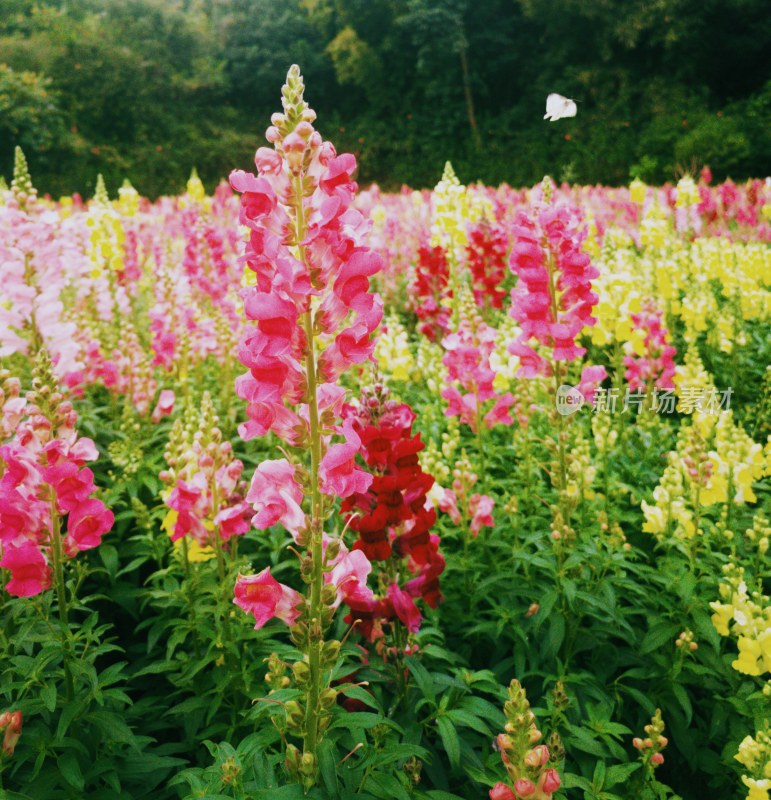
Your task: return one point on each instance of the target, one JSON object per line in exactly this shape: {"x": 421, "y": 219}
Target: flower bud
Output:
{"x": 307, "y": 764}
{"x": 501, "y": 792}
{"x": 524, "y": 787}
{"x": 656, "y": 759}
{"x": 301, "y": 672}
{"x": 10, "y": 721}
{"x": 538, "y": 756}
{"x": 550, "y": 781}
{"x": 328, "y": 698}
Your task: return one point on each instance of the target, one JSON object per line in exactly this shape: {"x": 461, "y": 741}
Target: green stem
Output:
{"x": 481, "y": 446}
{"x": 57, "y": 557}
{"x": 220, "y": 560}
{"x": 190, "y": 594}
{"x": 315, "y": 622}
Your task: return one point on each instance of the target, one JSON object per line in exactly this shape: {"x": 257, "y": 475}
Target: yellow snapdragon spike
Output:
{"x": 758, "y": 788}
{"x": 196, "y": 553}
{"x": 194, "y": 186}
{"x": 750, "y": 656}
{"x": 687, "y": 192}
{"x": 392, "y": 351}
{"x": 723, "y": 615}
{"x": 128, "y": 200}
{"x": 655, "y": 228}
{"x": 637, "y": 191}
{"x": 170, "y": 521}
{"x": 452, "y": 212}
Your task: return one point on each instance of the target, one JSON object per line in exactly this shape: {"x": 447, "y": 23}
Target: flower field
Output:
{"x": 313, "y": 490}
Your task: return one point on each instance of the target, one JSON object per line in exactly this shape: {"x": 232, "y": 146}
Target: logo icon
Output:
{"x": 569, "y": 400}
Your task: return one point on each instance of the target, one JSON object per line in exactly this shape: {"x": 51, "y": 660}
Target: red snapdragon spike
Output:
{"x": 431, "y": 286}
{"x": 393, "y": 522}
{"x": 486, "y": 256}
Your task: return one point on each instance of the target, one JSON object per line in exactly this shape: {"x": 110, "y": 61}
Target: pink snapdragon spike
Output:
{"x": 481, "y": 508}
{"x": 553, "y": 298}
{"x": 470, "y": 394}
{"x": 655, "y": 367}
{"x": 311, "y": 317}
{"x": 204, "y": 490}
{"x": 46, "y": 502}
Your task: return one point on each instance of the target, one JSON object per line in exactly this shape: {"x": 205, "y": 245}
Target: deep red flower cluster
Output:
{"x": 486, "y": 252}
{"x": 429, "y": 289}
{"x": 393, "y": 518}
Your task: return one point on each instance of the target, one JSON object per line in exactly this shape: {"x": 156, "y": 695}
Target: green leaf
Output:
{"x": 422, "y": 678}
{"x": 327, "y": 766}
{"x": 658, "y": 635}
{"x": 684, "y": 700}
{"x": 70, "y": 770}
{"x": 450, "y": 740}
{"x": 459, "y": 716}
{"x": 598, "y": 778}
{"x": 554, "y": 637}
{"x": 48, "y": 696}
{"x": 109, "y": 556}
{"x": 619, "y": 773}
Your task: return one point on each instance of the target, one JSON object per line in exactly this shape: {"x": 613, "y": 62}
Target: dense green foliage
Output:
{"x": 151, "y": 88}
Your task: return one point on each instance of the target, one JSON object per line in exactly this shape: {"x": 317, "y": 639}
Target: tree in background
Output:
{"x": 150, "y": 88}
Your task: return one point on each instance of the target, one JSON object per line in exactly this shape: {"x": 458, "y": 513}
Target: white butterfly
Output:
{"x": 558, "y": 107}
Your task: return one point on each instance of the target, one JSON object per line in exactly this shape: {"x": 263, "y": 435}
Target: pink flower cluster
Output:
{"x": 331, "y": 283}
{"x": 470, "y": 376}
{"x": 553, "y": 299}
{"x": 312, "y": 315}
{"x": 656, "y": 367}
{"x": 461, "y": 503}
{"x": 207, "y": 493}
{"x": 43, "y": 480}
{"x": 265, "y": 598}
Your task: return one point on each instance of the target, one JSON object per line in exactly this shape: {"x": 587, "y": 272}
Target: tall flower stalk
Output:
{"x": 313, "y": 318}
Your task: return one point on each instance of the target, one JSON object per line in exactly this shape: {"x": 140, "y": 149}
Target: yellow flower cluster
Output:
{"x": 503, "y": 363}
{"x": 637, "y": 191}
{"x": 128, "y": 200}
{"x": 655, "y": 228}
{"x": 107, "y": 234}
{"x": 755, "y": 756}
{"x": 454, "y": 207}
{"x": 618, "y": 290}
{"x": 430, "y": 368}
{"x": 393, "y": 351}
{"x": 747, "y": 617}
{"x": 195, "y": 193}
{"x": 687, "y": 192}
{"x": 670, "y": 515}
